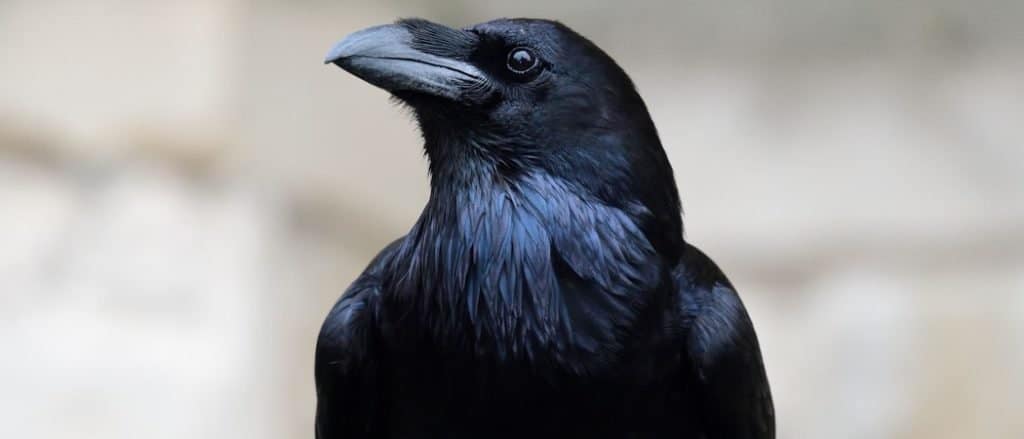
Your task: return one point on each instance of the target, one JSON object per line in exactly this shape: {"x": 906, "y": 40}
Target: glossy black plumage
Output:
{"x": 546, "y": 288}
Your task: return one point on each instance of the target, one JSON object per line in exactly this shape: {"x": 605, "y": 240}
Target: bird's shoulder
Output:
{"x": 347, "y": 330}
{"x": 346, "y": 363}
{"x": 721, "y": 352}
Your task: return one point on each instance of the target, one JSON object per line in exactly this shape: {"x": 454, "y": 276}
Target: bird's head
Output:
{"x": 519, "y": 96}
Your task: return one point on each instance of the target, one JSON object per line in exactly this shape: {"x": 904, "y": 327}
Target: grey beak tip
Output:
{"x": 336, "y": 53}
{"x": 366, "y": 40}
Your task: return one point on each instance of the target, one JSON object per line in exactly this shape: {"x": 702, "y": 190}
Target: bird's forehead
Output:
{"x": 516, "y": 27}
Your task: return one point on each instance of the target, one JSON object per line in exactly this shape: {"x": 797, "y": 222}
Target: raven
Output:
{"x": 546, "y": 288}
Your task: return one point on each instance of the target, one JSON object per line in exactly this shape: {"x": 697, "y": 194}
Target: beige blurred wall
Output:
{"x": 187, "y": 190}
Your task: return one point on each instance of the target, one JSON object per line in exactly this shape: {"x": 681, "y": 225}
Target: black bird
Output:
{"x": 546, "y": 289}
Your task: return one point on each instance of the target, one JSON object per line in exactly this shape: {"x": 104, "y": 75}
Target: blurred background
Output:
{"x": 186, "y": 190}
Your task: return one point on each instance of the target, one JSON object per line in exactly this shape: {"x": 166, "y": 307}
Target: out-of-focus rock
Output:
{"x": 185, "y": 190}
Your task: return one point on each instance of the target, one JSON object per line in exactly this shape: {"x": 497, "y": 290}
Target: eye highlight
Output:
{"x": 521, "y": 60}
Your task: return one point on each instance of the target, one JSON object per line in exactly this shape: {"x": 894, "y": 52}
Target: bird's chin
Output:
{"x": 431, "y": 105}
{"x": 418, "y": 99}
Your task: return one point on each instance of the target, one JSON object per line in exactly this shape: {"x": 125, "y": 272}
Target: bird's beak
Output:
{"x": 386, "y": 57}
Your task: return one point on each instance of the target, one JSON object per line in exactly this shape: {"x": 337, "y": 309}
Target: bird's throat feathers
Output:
{"x": 528, "y": 267}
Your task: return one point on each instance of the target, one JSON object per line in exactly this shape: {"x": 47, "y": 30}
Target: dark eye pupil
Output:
{"x": 521, "y": 60}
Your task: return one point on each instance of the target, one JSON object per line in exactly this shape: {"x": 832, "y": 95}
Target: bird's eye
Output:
{"x": 521, "y": 60}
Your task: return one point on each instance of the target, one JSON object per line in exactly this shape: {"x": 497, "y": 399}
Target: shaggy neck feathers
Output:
{"x": 527, "y": 268}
